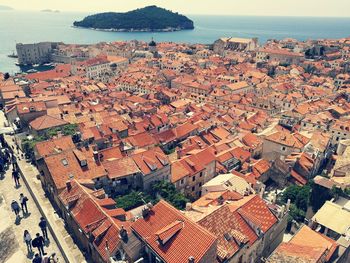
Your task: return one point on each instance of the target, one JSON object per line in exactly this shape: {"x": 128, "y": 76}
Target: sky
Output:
{"x": 330, "y": 8}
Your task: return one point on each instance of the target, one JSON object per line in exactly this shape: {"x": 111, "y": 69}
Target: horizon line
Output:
{"x": 187, "y": 14}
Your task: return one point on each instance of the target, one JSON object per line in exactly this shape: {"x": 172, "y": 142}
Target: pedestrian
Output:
{"x": 15, "y": 175}
{"x": 15, "y": 208}
{"x": 28, "y": 240}
{"x": 37, "y": 258}
{"x": 38, "y": 242}
{"x": 43, "y": 227}
{"x": 23, "y": 201}
{"x": 13, "y": 161}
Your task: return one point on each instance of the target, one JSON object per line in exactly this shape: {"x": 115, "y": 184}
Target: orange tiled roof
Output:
{"x": 150, "y": 160}
{"x": 189, "y": 240}
{"x": 283, "y": 137}
{"x": 65, "y": 166}
{"x": 92, "y": 219}
{"x": 54, "y": 146}
{"x": 231, "y": 230}
{"x": 121, "y": 167}
{"x": 46, "y": 122}
{"x": 307, "y": 245}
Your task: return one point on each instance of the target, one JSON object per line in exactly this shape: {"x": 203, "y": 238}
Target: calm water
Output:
{"x": 29, "y": 27}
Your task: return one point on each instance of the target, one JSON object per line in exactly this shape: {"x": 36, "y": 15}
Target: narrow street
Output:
{"x": 12, "y": 246}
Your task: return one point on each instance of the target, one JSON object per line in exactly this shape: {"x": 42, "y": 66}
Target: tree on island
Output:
{"x": 150, "y": 18}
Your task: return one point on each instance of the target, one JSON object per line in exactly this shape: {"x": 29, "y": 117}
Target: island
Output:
{"x": 5, "y": 8}
{"x": 147, "y": 19}
{"x": 50, "y": 11}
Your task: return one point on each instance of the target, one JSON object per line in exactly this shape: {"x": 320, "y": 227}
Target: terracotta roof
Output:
{"x": 121, "y": 167}
{"x": 27, "y": 107}
{"x": 65, "y": 166}
{"x": 46, "y": 122}
{"x": 189, "y": 238}
{"x": 283, "y": 137}
{"x": 231, "y": 230}
{"x": 54, "y": 146}
{"x": 255, "y": 209}
{"x": 92, "y": 219}
{"x": 142, "y": 140}
{"x": 185, "y": 129}
{"x": 300, "y": 179}
{"x": 306, "y": 246}
{"x": 150, "y": 160}
{"x": 215, "y": 198}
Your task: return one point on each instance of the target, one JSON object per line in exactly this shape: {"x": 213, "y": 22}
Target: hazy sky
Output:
{"x": 220, "y": 7}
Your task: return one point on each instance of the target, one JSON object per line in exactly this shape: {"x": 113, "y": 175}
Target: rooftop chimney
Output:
{"x": 96, "y": 157}
{"x": 69, "y": 185}
{"x": 145, "y": 212}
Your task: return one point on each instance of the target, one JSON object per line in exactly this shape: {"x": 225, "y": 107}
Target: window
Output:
{"x": 283, "y": 148}
{"x": 193, "y": 188}
{"x": 193, "y": 178}
{"x": 64, "y": 162}
{"x": 201, "y": 174}
{"x": 182, "y": 181}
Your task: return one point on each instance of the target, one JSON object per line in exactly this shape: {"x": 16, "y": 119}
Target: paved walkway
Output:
{"x": 31, "y": 186}
{"x": 13, "y": 229}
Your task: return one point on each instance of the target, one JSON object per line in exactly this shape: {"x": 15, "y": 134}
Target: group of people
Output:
{"x": 39, "y": 240}
{"x": 15, "y": 207}
{"x": 6, "y": 159}
{"x": 39, "y": 243}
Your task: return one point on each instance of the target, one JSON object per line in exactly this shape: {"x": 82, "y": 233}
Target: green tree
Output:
{"x": 168, "y": 191}
{"x": 303, "y": 197}
{"x": 336, "y": 192}
{"x": 291, "y": 193}
{"x": 319, "y": 195}
{"x": 67, "y": 130}
{"x": 132, "y": 200}
{"x": 295, "y": 214}
{"x": 300, "y": 200}
{"x": 70, "y": 129}
{"x": 29, "y": 144}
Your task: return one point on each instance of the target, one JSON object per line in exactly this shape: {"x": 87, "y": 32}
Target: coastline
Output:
{"x": 146, "y": 30}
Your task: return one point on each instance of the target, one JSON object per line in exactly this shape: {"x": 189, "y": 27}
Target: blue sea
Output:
{"x": 29, "y": 27}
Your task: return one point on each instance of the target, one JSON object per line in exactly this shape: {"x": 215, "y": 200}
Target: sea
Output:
{"x": 31, "y": 27}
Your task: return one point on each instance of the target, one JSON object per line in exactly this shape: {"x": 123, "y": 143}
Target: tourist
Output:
{"x": 15, "y": 176}
{"x": 23, "y": 201}
{"x": 43, "y": 227}
{"x": 14, "y": 161}
{"x": 38, "y": 242}
{"x": 37, "y": 258}
{"x": 15, "y": 208}
{"x": 28, "y": 240}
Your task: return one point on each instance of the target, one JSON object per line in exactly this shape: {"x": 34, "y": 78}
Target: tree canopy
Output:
{"x": 162, "y": 189}
{"x": 150, "y": 18}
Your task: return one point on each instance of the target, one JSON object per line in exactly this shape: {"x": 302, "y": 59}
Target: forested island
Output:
{"x": 150, "y": 18}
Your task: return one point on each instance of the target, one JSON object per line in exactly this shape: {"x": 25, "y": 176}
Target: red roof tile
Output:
{"x": 190, "y": 240}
